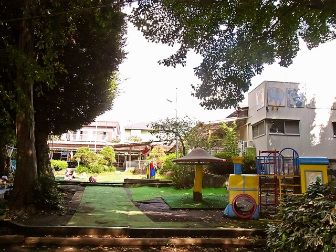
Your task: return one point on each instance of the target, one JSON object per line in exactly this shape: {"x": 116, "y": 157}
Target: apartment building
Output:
{"x": 281, "y": 115}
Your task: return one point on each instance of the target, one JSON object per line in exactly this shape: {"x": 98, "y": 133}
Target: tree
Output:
{"x": 199, "y": 135}
{"x": 235, "y": 38}
{"x": 109, "y": 155}
{"x": 220, "y": 135}
{"x": 230, "y": 141}
{"x": 170, "y": 129}
{"x": 158, "y": 154}
{"x": 89, "y": 85}
{"x": 7, "y": 124}
{"x": 38, "y": 38}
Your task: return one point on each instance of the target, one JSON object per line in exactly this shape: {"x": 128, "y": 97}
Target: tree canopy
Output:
{"x": 235, "y": 38}
{"x": 65, "y": 53}
{"x": 170, "y": 129}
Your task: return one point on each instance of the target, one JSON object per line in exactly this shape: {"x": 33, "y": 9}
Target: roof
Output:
{"x": 137, "y": 126}
{"x": 108, "y": 124}
{"x": 198, "y": 156}
{"x": 239, "y": 113}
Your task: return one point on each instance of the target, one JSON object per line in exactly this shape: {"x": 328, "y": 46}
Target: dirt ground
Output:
{"x": 156, "y": 209}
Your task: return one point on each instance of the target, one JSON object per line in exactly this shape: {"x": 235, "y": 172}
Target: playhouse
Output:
{"x": 279, "y": 173}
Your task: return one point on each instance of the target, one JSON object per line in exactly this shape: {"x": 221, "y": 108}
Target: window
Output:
{"x": 292, "y": 127}
{"x": 287, "y": 127}
{"x": 81, "y": 135}
{"x": 258, "y": 129}
{"x": 277, "y": 126}
{"x": 334, "y": 128}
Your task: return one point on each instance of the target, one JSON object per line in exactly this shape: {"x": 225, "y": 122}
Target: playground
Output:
{"x": 234, "y": 215}
{"x": 154, "y": 203}
{"x": 110, "y": 206}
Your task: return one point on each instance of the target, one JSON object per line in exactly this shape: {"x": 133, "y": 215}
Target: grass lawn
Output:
{"x": 213, "y": 198}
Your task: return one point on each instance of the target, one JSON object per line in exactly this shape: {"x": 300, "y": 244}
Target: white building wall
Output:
{"x": 316, "y": 136}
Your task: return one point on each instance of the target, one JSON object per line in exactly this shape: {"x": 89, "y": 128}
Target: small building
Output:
{"x": 99, "y": 131}
{"x": 138, "y": 132}
{"x": 99, "y": 134}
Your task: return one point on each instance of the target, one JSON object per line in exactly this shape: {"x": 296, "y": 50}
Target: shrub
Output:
{"x": 85, "y": 156}
{"x": 249, "y": 164}
{"x": 96, "y": 168}
{"x": 47, "y": 194}
{"x": 181, "y": 176}
{"x": 82, "y": 169}
{"x": 306, "y": 223}
{"x": 91, "y": 162}
{"x": 108, "y": 154}
{"x": 221, "y": 169}
{"x": 58, "y": 164}
{"x": 158, "y": 154}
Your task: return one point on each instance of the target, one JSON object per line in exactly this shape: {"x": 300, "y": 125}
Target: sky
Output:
{"x": 145, "y": 86}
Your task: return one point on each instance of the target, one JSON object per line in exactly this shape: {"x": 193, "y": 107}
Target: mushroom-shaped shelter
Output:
{"x": 198, "y": 157}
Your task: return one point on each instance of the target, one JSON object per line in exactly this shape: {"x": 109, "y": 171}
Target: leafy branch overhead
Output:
{"x": 235, "y": 38}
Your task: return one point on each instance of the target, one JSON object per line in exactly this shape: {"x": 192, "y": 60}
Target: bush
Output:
{"x": 82, "y": 169}
{"x": 91, "y": 162}
{"x": 58, "y": 164}
{"x": 46, "y": 193}
{"x": 221, "y": 169}
{"x": 85, "y": 156}
{"x": 181, "y": 176}
{"x": 108, "y": 154}
{"x": 249, "y": 164}
{"x": 306, "y": 223}
{"x": 95, "y": 168}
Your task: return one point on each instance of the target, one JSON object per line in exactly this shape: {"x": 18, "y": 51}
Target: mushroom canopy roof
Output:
{"x": 198, "y": 156}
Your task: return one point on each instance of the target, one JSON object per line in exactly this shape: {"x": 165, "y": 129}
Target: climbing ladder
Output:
{"x": 278, "y": 176}
{"x": 268, "y": 194}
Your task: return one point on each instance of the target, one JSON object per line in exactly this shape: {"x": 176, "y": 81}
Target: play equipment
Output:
{"x": 312, "y": 169}
{"x": 279, "y": 173}
{"x": 243, "y": 196}
{"x": 198, "y": 157}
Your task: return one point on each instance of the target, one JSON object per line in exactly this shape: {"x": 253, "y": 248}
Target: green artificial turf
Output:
{"x": 107, "y": 206}
{"x": 213, "y": 198}
{"x": 112, "y": 207}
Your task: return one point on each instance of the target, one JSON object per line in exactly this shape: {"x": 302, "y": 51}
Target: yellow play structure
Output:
{"x": 279, "y": 173}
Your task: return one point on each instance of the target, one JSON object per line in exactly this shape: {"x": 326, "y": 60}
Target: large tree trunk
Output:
{"x": 42, "y": 154}
{"x": 3, "y": 163}
{"x": 26, "y": 171}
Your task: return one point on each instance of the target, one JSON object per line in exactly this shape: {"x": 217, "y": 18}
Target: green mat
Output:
{"x": 104, "y": 206}
{"x": 107, "y": 206}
